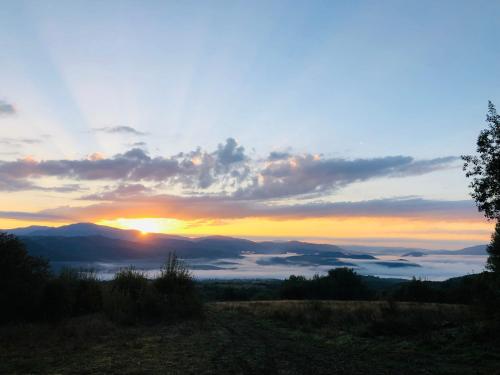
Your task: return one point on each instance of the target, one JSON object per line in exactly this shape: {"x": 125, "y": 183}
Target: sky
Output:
{"x": 329, "y": 121}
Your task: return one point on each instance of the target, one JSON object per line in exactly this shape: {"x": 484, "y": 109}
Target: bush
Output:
{"x": 129, "y": 297}
{"x": 177, "y": 289}
{"x": 418, "y": 290}
{"x": 295, "y": 287}
{"x": 22, "y": 279}
{"x": 74, "y": 292}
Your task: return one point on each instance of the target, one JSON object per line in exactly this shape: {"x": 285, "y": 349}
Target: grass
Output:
{"x": 281, "y": 337}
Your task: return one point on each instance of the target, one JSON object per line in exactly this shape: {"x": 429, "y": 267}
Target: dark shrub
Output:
{"x": 57, "y": 301}
{"x": 74, "y": 292}
{"x": 128, "y": 296}
{"x": 417, "y": 290}
{"x": 177, "y": 289}
{"x": 343, "y": 284}
{"x": 88, "y": 292}
{"x": 295, "y": 287}
{"x": 22, "y": 279}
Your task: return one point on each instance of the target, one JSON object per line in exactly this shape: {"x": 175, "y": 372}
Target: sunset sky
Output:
{"x": 338, "y": 122}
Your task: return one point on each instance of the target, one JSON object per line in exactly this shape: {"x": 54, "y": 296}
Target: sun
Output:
{"x": 145, "y": 225}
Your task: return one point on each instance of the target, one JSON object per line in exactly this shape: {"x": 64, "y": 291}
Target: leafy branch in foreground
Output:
{"x": 484, "y": 169}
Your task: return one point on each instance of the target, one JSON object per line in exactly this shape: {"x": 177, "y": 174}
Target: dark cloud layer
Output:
{"x": 210, "y": 207}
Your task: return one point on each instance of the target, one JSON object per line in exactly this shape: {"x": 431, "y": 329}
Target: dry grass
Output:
{"x": 370, "y": 317}
{"x": 279, "y": 337}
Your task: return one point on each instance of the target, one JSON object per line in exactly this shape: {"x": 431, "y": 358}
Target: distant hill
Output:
{"x": 87, "y": 242}
{"x": 415, "y": 252}
{"x": 473, "y": 250}
{"x": 83, "y": 229}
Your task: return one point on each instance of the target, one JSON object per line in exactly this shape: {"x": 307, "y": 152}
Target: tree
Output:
{"x": 178, "y": 289}
{"x": 22, "y": 278}
{"x": 484, "y": 169}
{"x": 493, "y": 249}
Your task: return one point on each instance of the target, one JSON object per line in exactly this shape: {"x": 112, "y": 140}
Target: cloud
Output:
{"x": 6, "y": 141}
{"x": 133, "y": 165}
{"x": 18, "y": 215}
{"x": 228, "y": 166}
{"x": 123, "y": 191}
{"x": 120, "y": 130}
{"x": 8, "y": 184}
{"x": 193, "y": 170}
{"x": 227, "y": 171}
{"x": 296, "y": 175}
{"x": 138, "y": 144}
{"x": 213, "y": 207}
{"x": 6, "y": 109}
{"x": 11, "y": 184}
{"x": 229, "y": 153}
{"x": 278, "y": 155}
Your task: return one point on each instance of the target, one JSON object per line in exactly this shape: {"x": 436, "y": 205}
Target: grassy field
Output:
{"x": 276, "y": 337}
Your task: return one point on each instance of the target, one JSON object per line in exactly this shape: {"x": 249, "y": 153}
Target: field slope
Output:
{"x": 280, "y": 337}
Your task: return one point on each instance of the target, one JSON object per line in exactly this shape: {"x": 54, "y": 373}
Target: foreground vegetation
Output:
{"x": 282, "y": 337}
{"x": 72, "y": 322}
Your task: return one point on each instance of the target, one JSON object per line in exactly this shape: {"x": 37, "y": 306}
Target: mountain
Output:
{"x": 86, "y": 242}
{"x": 81, "y": 230}
{"x": 473, "y": 250}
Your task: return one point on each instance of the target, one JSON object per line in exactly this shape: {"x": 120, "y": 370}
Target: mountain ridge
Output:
{"x": 93, "y": 242}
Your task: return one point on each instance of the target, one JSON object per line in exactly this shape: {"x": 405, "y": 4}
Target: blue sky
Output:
{"x": 358, "y": 79}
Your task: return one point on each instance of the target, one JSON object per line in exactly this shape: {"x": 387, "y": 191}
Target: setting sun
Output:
{"x": 145, "y": 225}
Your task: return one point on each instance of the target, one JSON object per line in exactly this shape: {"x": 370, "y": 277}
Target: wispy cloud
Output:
{"x": 138, "y": 144}
{"x": 6, "y": 141}
{"x": 122, "y": 191}
{"x": 8, "y": 184}
{"x": 36, "y": 216}
{"x": 120, "y": 130}
{"x": 209, "y": 207}
{"x": 6, "y": 108}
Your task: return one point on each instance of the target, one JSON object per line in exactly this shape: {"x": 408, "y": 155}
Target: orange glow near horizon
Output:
{"x": 373, "y": 227}
{"x": 398, "y": 230}
{"x": 145, "y": 225}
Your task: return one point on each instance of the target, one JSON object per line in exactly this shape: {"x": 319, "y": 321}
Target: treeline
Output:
{"x": 346, "y": 284}
{"x": 338, "y": 284}
{"x": 29, "y": 291}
